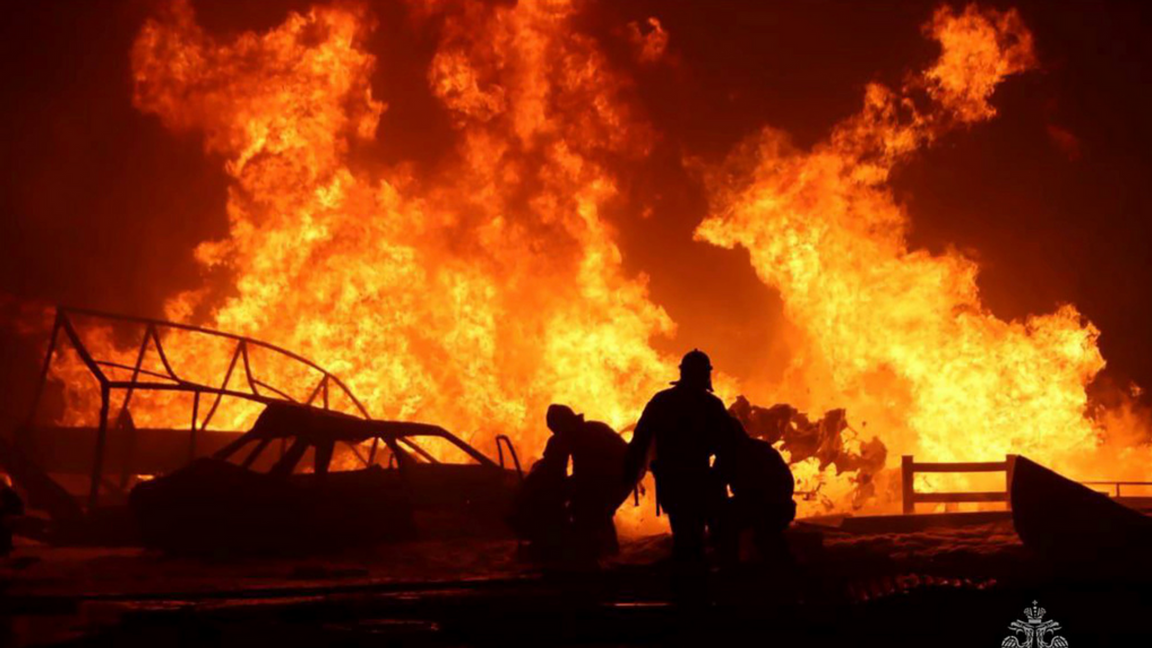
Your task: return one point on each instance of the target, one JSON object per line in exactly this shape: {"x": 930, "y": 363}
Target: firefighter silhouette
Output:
{"x": 683, "y": 429}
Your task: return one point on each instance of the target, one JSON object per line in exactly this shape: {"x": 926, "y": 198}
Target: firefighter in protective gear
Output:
{"x": 594, "y": 490}
{"x": 572, "y": 517}
{"x": 683, "y": 429}
{"x": 762, "y": 487}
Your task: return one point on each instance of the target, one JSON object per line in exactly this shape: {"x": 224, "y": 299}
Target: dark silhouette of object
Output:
{"x": 822, "y": 438}
{"x": 265, "y": 503}
{"x": 10, "y": 506}
{"x": 684, "y": 428}
{"x": 595, "y": 489}
{"x": 87, "y": 450}
{"x": 42, "y": 491}
{"x": 1081, "y": 530}
{"x": 803, "y": 438}
{"x": 540, "y": 512}
{"x": 771, "y": 424}
{"x": 762, "y": 487}
{"x": 566, "y": 517}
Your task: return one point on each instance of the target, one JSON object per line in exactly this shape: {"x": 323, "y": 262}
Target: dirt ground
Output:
{"x": 941, "y": 586}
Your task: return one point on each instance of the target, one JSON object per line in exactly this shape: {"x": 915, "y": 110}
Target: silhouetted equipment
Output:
{"x": 43, "y": 492}
{"x": 10, "y": 506}
{"x": 291, "y": 476}
{"x": 1076, "y": 526}
{"x": 112, "y": 444}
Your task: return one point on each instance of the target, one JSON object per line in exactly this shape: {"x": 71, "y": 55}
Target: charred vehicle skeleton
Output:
{"x": 313, "y": 470}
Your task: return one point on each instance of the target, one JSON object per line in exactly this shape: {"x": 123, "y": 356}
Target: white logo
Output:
{"x": 1035, "y": 632}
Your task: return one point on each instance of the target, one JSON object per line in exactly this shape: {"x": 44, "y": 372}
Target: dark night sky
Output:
{"x": 100, "y": 206}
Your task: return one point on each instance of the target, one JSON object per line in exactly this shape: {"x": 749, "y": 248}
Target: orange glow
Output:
{"x": 472, "y": 300}
{"x": 900, "y": 336}
{"x": 475, "y": 297}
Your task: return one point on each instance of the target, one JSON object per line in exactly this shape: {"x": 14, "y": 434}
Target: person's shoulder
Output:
{"x": 603, "y": 433}
{"x": 555, "y": 443}
{"x": 663, "y": 396}
{"x": 599, "y": 427}
{"x": 762, "y": 448}
{"x": 715, "y": 401}
{"x": 765, "y": 455}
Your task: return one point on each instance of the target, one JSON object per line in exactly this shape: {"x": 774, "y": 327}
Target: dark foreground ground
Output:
{"x": 939, "y": 587}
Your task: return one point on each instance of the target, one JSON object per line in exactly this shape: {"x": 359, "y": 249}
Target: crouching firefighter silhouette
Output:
{"x": 584, "y": 503}
{"x": 595, "y": 490}
{"x": 762, "y": 487}
{"x": 683, "y": 428}
{"x": 540, "y": 512}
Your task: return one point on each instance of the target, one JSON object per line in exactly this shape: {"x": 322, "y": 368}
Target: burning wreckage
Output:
{"x": 306, "y": 475}
{"x": 313, "y": 471}
{"x": 823, "y": 439}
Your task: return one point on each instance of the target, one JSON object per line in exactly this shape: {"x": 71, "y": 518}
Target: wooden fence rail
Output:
{"x": 909, "y": 468}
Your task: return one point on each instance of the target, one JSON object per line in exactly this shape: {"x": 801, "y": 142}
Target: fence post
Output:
{"x": 1009, "y": 471}
{"x": 98, "y": 453}
{"x": 907, "y": 494}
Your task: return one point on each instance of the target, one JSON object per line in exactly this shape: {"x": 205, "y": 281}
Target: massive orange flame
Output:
{"x": 898, "y": 335}
{"x": 472, "y": 300}
{"x": 475, "y": 297}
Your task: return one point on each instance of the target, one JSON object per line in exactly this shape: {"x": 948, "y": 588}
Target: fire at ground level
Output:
{"x": 288, "y": 136}
{"x": 952, "y": 578}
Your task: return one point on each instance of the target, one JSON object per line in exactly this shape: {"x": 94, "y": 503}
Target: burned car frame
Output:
{"x": 225, "y": 502}
{"x": 314, "y": 470}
